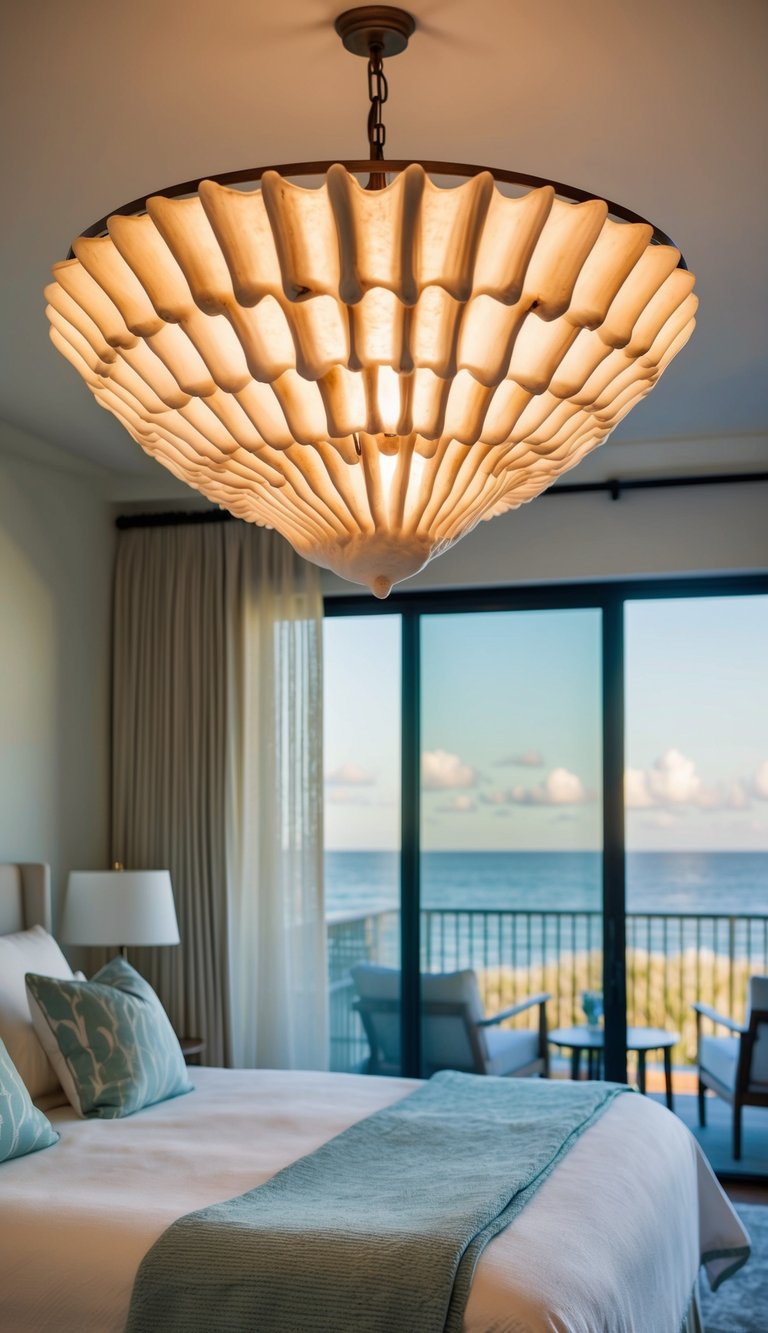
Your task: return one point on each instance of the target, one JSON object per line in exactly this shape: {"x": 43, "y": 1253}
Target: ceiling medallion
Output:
{"x": 373, "y": 364}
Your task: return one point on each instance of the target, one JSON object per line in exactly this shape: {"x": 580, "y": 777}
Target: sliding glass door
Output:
{"x": 511, "y": 829}
{"x": 697, "y": 825}
{"x": 362, "y": 682}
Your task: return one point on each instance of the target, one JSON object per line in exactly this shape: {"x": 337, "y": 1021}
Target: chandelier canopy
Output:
{"x": 371, "y": 369}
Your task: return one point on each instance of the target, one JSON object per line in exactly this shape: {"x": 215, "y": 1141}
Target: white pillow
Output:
{"x": 29, "y": 951}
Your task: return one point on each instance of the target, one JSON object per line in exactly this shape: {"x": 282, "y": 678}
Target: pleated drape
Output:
{"x": 206, "y": 785}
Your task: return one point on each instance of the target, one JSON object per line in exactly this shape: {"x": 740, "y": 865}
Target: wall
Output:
{"x": 56, "y": 547}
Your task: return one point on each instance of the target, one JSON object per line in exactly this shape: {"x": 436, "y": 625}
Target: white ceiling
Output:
{"x": 661, "y": 106}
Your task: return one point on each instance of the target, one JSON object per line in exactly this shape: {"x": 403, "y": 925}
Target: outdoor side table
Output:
{"x": 583, "y": 1038}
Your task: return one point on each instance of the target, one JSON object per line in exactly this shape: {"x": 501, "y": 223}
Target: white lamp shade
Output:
{"x": 119, "y": 907}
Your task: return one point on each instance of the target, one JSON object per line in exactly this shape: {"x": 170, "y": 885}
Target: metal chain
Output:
{"x": 378, "y": 93}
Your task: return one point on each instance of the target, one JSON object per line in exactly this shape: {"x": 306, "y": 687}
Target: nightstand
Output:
{"x": 192, "y": 1048}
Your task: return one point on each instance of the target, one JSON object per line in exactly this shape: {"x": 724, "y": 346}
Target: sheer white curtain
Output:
{"x": 274, "y": 785}
{"x": 217, "y": 757}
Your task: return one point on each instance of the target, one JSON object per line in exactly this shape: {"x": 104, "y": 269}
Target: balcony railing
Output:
{"x": 672, "y": 960}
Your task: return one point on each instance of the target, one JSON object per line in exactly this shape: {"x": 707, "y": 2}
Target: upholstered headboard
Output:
{"x": 25, "y": 897}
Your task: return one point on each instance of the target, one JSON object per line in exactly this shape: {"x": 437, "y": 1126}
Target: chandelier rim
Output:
{"x": 394, "y": 166}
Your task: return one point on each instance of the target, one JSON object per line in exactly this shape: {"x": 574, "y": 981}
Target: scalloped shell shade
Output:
{"x": 370, "y": 373}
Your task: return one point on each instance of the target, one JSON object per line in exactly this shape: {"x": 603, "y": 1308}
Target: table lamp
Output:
{"x": 118, "y": 908}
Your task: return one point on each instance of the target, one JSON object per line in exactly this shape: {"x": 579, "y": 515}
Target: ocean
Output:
{"x": 678, "y": 882}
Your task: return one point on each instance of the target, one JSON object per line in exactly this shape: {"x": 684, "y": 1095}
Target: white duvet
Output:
{"x": 611, "y": 1243}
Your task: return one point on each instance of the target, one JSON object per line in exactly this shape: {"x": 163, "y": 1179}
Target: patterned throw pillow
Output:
{"x": 109, "y": 1041}
{"x": 23, "y": 1128}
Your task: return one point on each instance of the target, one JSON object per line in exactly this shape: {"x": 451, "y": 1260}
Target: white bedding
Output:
{"x": 611, "y": 1243}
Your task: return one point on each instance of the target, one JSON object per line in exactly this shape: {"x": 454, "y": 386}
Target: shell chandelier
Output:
{"x": 373, "y": 366}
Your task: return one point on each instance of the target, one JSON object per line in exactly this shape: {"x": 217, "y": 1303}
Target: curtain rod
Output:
{"x": 616, "y": 486}
{"x": 174, "y": 517}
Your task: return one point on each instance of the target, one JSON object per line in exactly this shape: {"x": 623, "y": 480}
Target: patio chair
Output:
{"x": 735, "y": 1068}
{"x": 455, "y": 1033}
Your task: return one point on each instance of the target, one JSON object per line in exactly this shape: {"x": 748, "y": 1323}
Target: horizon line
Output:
{"x": 556, "y": 851}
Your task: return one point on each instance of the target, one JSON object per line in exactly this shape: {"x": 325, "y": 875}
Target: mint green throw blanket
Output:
{"x": 378, "y": 1230}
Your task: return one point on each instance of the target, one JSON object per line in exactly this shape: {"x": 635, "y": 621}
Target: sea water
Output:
{"x": 543, "y": 904}
{"x": 696, "y": 883}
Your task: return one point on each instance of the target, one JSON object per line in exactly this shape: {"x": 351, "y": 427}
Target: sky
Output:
{"x": 511, "y": 729}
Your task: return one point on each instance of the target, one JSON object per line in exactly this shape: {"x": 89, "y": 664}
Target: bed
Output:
{"x": 612, "y": 1241}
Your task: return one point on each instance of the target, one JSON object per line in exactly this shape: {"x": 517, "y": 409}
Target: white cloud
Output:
{"x": 561, "y": 788}
{"x": 441, "y": 771}
{"x": 459, "y": 805}
{"x": 759, "y": 782}
{"x": 528, "y": 759}
{"x": 349, "y": 775}
{"x": 558, "y": 788}
{"x": 673, "y": 782}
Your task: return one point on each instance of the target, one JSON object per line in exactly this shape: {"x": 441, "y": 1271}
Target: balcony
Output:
{"x": 672, "y": 960}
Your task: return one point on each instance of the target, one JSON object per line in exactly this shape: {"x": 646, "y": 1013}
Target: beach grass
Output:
{"x": 661, "y": 989}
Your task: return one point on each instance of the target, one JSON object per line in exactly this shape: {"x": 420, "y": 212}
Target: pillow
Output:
{"x": 109, "y": 1041}
{"x": 28, "y": 951}
{"x": 23, "y": 1128}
